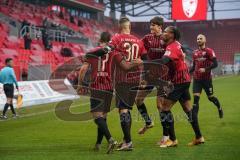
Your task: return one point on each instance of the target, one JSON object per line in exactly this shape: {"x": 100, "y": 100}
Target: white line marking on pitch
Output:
{"x": 40, "y": 113}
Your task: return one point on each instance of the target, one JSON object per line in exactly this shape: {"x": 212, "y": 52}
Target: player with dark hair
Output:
{"x": 8, "y": 79}
{"x": 155, "y": 50}
{"x": 180, "y": 77}
{"x": 102, "y": 87}
{"x": 131, "y": 48}
{"x": 124, "y": 43}
{"x": 204, "y": 60}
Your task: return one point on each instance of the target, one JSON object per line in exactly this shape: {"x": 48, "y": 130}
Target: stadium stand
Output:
{"x": 33, "y": 17}
{"x": 36, "y": 15}
{"x": 225, "y": 44}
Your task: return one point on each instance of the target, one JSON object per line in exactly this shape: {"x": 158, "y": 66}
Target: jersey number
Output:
{"x": 132, "y": 50}
{"x": 102, "y": 63}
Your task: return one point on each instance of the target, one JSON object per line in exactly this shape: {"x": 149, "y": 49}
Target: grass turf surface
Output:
{"x": 39, "y": 134}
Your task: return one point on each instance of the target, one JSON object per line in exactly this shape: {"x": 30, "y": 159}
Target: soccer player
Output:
{"x": 155, "y": 50}
{"x": 8, "y": 79}
{"x": 204, "y": 60}
{"x": 132, "y": 48}
{"x": 102, "y": 87}
{"x": 180, "y": 77}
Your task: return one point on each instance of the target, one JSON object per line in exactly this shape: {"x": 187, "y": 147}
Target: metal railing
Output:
{"x": 37, "y": 33}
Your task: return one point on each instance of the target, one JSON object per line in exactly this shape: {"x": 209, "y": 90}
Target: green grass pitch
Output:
{"x": 39, "y": 134}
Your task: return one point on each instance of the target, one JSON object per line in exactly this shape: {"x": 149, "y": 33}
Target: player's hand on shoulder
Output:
{"x": 137, "y": 61}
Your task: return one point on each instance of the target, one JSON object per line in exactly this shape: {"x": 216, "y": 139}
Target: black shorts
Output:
{"x": 8, "y": 90}
{"x": 100, "y": 100}
{"x": 180, "y": 93}
{"x": 160, "y": 90}
{"x": 198, "y": 85}
{"x": 162, "y": 87}
{"x": 125, "y": 95}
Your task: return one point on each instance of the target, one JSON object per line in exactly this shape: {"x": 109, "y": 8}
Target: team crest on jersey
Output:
{"x": 203, "y": 53}
{"x": 189, "y": 7}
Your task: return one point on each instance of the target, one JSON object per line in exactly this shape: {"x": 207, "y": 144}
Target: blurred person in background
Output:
{"x": 8, "y": 79}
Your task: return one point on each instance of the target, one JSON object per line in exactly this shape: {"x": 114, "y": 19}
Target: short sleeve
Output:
{"x": 143, "y": 49}
{"x": 114, "y": 41}
{"x": 86, "y": 60}
{"x": 193, "y": 55}
{"x": 170, "y": 53}
{"x": 211, "y": 54}
{"x": 145, "y": 42}
{"x": 91, "y": 55}
{"x": 13, "y": 76}
{"x": 0, "y": 77}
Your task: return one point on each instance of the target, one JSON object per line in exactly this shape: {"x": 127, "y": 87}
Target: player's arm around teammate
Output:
{"x": 101, "y": 90}
{"x": 131, "y": 48}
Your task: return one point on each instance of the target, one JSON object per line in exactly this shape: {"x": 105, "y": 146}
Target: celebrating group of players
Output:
{"x": 132, "y": 67}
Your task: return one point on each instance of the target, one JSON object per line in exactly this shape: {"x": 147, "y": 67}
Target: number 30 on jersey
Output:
{"x": 132, "y": 50}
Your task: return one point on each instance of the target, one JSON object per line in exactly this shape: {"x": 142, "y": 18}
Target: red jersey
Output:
{"x": 155, "y": 50}
{"x": 154, "y": 45}
{"x": 203, "y": 59}
{"x": 101, "y": 70}
{"x": 131, "y": 48}
{"x": 178, "y": 69}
